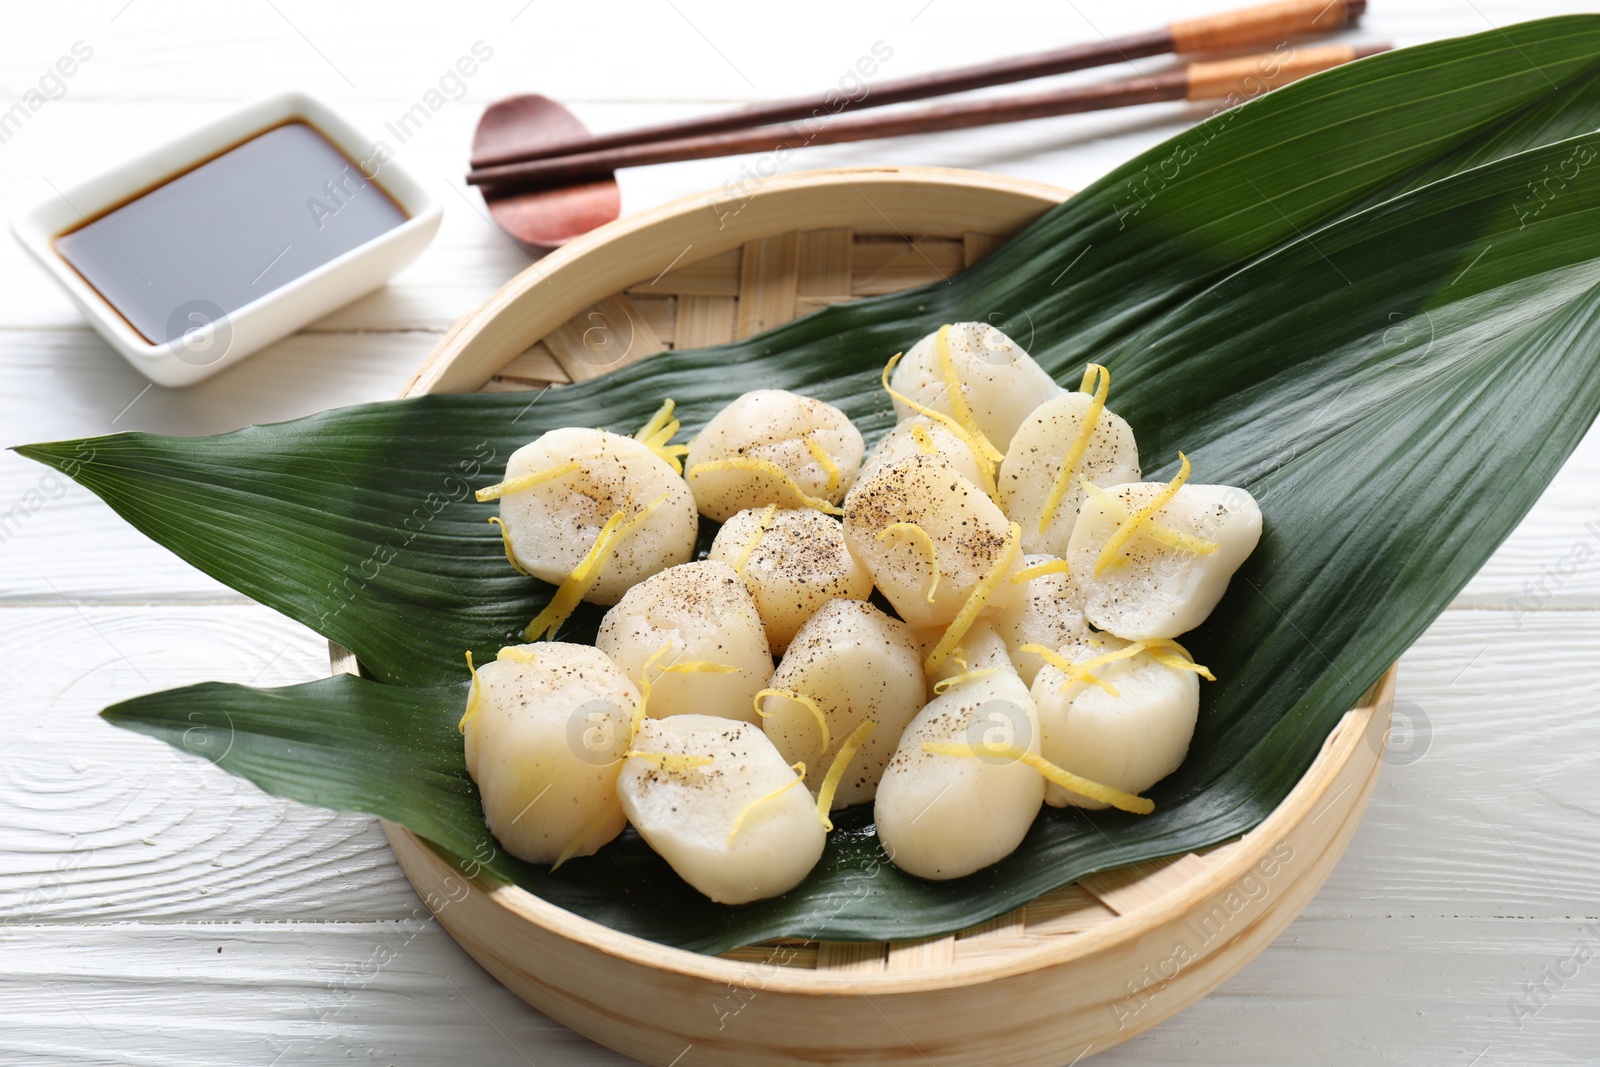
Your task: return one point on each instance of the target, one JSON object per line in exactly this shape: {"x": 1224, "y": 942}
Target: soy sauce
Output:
{"x": 229, "y": 231}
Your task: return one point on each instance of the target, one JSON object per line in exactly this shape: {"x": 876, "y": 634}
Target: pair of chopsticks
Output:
{"x": 756, "y": 129}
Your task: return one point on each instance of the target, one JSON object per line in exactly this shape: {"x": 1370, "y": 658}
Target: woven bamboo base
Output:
{"x": 1074, "y": 972}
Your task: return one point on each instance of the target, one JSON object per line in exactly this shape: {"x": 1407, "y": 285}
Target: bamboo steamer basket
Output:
{"x": 1076, "y": 971}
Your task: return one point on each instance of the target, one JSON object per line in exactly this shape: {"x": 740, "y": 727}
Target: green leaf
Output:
{"x": 1372, "y": 298}
{"x": 360, "y": 523}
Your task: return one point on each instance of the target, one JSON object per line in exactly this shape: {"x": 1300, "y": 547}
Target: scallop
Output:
{"x": 927, "y": 535}
{"x": 546, "y": 727}
{"x": 1046, "y": 609}
{"x": 1000, "y": 384}
{"x": 1033, "y": 491}
{"x": 1128, "y": 731}
{"x": 572, "y": 481}
{"x": 1160, "y": 575}
{"x": 793, "y": 560}
{"x": 849, "y": 664}
{"x": 923, "y": 436}
{"x": 955, "y": 796}
{"x": 715, "y": 799}
{"x": 771, "y": 446}
{"x": 691, "y": 638}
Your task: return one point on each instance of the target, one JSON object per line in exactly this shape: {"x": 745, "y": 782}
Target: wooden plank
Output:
{"x": 1001, "y": 926}
{"x": 537, "y": 364}
{"x": 103, "y": 825}
{"x": 716, "y": 276}
{"x": 512, "y": 385}
{"x": 1063, "y": 912}
{"x": 609, "y": 335}
{"x": 825, "y": 258}
{"x": 402, "y": 992}
{"x": 247, "y": 992}
{"x": 994, "y": 949}
{"x": 704, "y": 320}
{"x": 1491, "y": 739}
{"x": 909, "y": 957}
{"x": 767, "y": 281}
{"x": 660, "y": 313}
{"x": 851, "y": 957}
{"x": 1138, "y": 885}
{"x": 974, "y": 246}
{"x": 1217, "y": 854}
{"x": 801, "y": 954}
{"x": 998, "y": 938}
{"x": 890, "y": 266}
{"x": 62, "y": 384}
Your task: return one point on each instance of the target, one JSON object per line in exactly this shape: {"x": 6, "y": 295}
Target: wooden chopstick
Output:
{"x": 1244, "y": 77}
{"x": 1264, "y": 24}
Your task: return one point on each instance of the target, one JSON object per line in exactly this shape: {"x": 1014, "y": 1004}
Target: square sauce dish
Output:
{"x": 201, "y": 251}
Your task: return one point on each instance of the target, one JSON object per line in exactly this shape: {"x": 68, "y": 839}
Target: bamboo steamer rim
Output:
{"x": 621, "y": 254}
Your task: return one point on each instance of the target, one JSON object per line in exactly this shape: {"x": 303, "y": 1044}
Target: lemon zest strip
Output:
{"x": 755, "y": 539}
{"x": 1163, "y": 650}
{"x": 645, "y": 684}
{"x": 671, "y": 762}
{"x": 1169, "y": 653}
{"x": 577, "y": 584}
{"x": 979, "y": 456}
{"x": 738, "y": 820}
{"x": 1084, "y": 672}
{"x": 1080, "y": 443}
{"x": 655, "y": 434}
{"x": 474, "y": 696}
{"x": 525, "y": 481}
{"x": 841, "y": 761}
{"x": 1075, "y": 672}
{"x": 924, "y": 440}
{"x": 958, "y": 399}
{"x": 798, "y": 698}
{"x": 752, "y": 465}
{"x": 1156, "y": 531}
{"x": 516, "y": 654}
{"x": 1179, "y": 663}
{"x": 572, "y": 588}
{"x": 672, "y": 455}
{"x": 1039, "y": 570}
{"x": 1073, "y": 783}
{"x": 911, "y": 530}
{"x": 979, "y": 597}
{"x": 1126, "y": 530}
{"x": 511, "y": 556}
{"x": 825, "y": 461}
{"x": 944, "y": 685}
{"x": 657, "y": 422}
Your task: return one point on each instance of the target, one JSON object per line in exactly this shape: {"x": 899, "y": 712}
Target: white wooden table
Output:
{"x": 154, "y": 910}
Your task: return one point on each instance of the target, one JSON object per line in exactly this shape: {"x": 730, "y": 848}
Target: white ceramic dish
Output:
{"x": 277, "y": 312}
